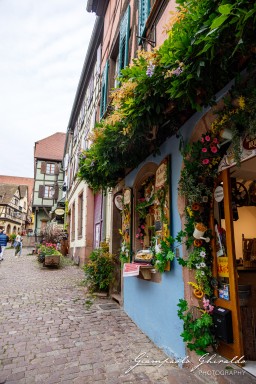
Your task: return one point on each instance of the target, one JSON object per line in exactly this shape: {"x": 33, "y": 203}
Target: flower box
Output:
{"x": 52, "y": 261}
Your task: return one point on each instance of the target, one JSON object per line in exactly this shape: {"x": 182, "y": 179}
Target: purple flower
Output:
{"x": 150, "y": 70}
{"x": 177, "y": 71}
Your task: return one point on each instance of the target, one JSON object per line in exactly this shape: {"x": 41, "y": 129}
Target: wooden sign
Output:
{"x": 127, "y": 196}
{"x": 161, "y": 175}
{"x": 249, "y": 143}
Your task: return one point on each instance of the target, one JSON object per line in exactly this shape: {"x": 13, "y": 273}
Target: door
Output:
{"x": 225, "y": 213}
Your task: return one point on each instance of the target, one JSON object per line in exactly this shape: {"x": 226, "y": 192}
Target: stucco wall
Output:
{"x": 153, "y": 306}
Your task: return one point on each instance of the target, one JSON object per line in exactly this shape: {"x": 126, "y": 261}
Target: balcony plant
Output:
{"x": 208, "y": 44}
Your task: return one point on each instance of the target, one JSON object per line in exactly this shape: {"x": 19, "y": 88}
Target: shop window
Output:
{"x": 145, "y": 214}
{"x": 151, "y": 214}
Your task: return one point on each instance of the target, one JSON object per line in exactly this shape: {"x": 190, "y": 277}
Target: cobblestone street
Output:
{"x": 49, "y": 335}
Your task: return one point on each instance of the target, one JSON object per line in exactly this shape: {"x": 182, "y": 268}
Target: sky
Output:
{"x": 43, "y": 45}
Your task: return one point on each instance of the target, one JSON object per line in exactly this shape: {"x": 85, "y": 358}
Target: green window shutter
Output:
{"x": 144, "y": 10}
{"x": 104, "y": 90}
{"x": 124, "y": 40}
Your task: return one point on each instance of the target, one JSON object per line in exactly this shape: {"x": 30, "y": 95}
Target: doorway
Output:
{"x": 235, "y": 257}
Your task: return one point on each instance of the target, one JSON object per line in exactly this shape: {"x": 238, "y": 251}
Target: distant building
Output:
{"x": 48, "y": 179}
{"x": 15, "y": 204}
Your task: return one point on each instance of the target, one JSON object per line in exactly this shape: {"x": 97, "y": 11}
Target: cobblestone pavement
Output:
{"x": 49, "y": 335}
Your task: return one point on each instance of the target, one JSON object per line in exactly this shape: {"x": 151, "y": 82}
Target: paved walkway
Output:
{"x": 49, "y": 335}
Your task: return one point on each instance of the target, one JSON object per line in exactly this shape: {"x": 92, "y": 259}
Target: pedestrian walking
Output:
{"x": 3, "y": 243}
{"x": 18, "y": 245}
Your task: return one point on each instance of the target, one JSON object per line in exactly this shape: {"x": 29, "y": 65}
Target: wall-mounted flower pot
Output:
{"x": 198, "y": 234}
{"x": 52, "y": 261}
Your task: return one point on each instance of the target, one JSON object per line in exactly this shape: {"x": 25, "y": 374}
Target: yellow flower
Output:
{"x": 190, "y": 212}
{"x": 176, "y": 17}
{"x": 241, "y": 102}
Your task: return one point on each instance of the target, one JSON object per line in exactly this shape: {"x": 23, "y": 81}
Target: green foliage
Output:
{"x": 197, "y": 331}
{"x": 99, "y": 270}
{"x": 164, "y": 254}
{"x": 207, "y": 46}
{"x": 12, "y": 237}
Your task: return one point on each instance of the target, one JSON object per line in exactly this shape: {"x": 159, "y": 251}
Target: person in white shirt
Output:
{"x": 18, "y": 243}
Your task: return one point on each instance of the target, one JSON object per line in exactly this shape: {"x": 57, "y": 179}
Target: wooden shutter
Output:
{"x": 104, "y": 90}
{"x": 56, "y": 192}
{"x": 43, "y": 167}
{"x": 144, "y": 10}
{"x": 124, "y": 40}
{"x": 41, "y": 191}
{"x": 56, "y": 169}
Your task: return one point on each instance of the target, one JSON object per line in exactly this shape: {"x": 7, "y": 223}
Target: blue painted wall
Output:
{"x": 153, "y": 306}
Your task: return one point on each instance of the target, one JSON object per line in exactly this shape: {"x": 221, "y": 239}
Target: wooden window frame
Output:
{"x": 80, "y": 215}
{"x": 50, "y": 168}
{"x": 104, "y": 90}
{"x": 47, "y": 189}
{"x": 124, "y": 40}
{"x": 73, "y": 216}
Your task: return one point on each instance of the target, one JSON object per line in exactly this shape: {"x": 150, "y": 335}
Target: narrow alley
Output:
{"x": 50, "y": 334}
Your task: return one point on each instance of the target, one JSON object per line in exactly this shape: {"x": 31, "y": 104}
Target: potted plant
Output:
{"x": 49, "y": 255}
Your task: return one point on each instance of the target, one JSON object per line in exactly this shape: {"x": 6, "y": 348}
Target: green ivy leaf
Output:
{"x": 225, "y": 9}
{"x": 219, "y": 21}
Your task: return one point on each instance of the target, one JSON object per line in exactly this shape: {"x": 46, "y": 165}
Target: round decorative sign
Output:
{"x": 59, "y": 211}
{"x": 218, "y": 194}
{"x": 119, "y": 202}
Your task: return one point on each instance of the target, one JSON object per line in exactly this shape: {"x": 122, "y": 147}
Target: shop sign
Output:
{"x": 219, "y": 194}
{"x": 161, "y": 175}
{"x": 249, "y": 143}
{"x": 59, "y": 212}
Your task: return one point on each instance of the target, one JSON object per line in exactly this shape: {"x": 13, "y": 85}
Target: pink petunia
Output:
{"x": 137, "y": 236}
{"x": 214, "y": 149}
{"x": 207, "y": 138}
{"x": 206, "y": 161}
{"x": 142, "y": 226}
{"x": 204, "y": 150}
{"x": 215, "y": 140}
{"x": 202, "y": 140}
